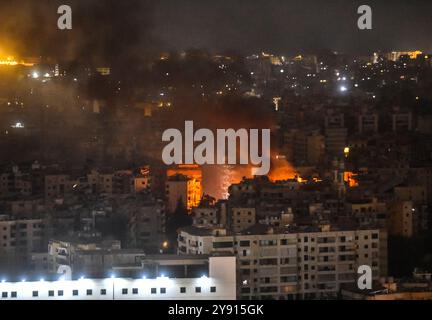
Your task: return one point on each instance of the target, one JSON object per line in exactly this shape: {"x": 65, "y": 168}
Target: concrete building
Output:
{"x": 67, "y": 250}
{"x": 402, "y": 122}
{"x": 335, "y": 134}
{"x": 368, "y": 123}
{"x": 184, "y": 188}
{"x": 242, "y": 218}
{"x": 315, "y": 148}
{"x": 401, "y": 218}
{"x": 216, "y": 281}
{"x": 292, "y": 262}
{"x": 336, "y": 140}
{"x": 205, "y": 216}
{"x": 18, "y": 239}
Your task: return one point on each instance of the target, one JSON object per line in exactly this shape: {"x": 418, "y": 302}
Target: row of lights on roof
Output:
{"x": 113, "y": 276}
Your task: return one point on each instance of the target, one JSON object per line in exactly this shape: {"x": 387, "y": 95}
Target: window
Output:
{"x": 198, "y": 289}
{"x": 51, "y": 293}
{"x": 103, "y": 292}
{"x": 75, "y": 292}
{"x": 60, "y": 293}
{"x": 153, "y": 290}
{"x": 4, "y": 294}
{"x": 124, "y": 291}
{"x": 13, "y": 294}
{"x": 89, "y": 292}
{"x": 227, "y": 244}
{"x": 182, "y": 289}
{"x": 212, "y": 289}
{"x": 135, "y": 291}
{"x": 35, "y": 293}
{"x": 162, "y": 290}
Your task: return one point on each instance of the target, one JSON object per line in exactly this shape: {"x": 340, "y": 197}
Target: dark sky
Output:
{"x": 120, "y": 29}
{"x": 285, "y": 25}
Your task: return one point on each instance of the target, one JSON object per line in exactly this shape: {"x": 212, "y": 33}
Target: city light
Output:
{"x": 130, "y": 173}
{"x": 18, "y": 125}
{"x": 204, "y": 281}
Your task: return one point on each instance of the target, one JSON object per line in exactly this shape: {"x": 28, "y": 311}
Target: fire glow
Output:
{"x": 10, "y": 61}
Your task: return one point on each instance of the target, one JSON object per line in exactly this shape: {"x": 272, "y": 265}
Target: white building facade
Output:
{"x": 220, "y": 284}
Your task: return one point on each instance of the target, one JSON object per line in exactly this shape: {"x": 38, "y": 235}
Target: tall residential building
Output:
{"x": 184, "y": 188}
{"x": 291, "y": 262}
{"x": 18, "y": 239}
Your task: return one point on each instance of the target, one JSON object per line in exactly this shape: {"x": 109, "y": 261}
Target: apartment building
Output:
{"x": 292, "y": 262}
{"x": 18, "y": 239}
{"x": 242, "y": 218}
{"x": 184, "y": 188}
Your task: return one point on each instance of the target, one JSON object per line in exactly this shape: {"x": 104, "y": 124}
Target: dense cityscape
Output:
{"x": 86, "y": 199}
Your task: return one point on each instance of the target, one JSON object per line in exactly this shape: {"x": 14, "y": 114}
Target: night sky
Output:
{"x": 119, "y": 29}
